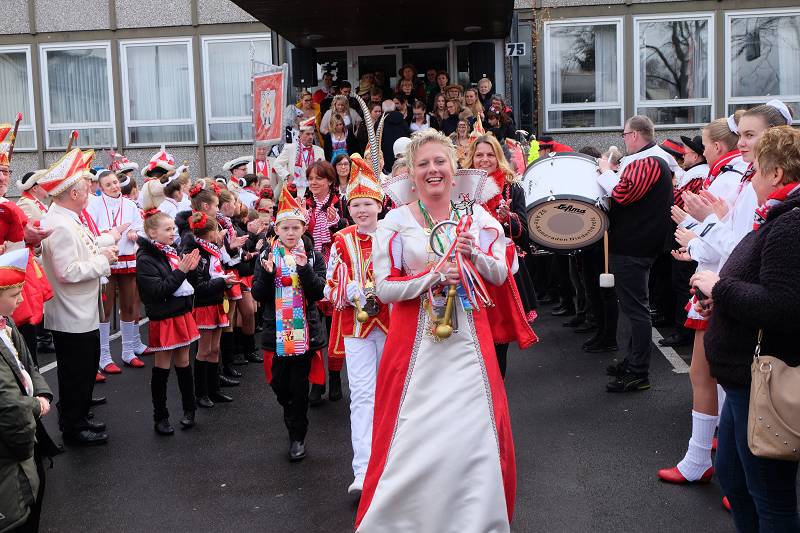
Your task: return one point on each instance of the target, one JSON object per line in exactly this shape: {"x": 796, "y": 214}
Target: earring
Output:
{"x": 454, "y": 183}
{"x": 413, "y": 188}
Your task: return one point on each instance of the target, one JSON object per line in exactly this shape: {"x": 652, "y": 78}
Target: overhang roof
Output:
{"x": 321, "y": 23}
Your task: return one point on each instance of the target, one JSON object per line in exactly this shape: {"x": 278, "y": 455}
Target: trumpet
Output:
{"x": 361, "y": 315}
{"x": 445, "y": 325}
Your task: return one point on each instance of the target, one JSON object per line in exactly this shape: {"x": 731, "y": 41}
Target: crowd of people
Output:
{"x": 410, "y": 263}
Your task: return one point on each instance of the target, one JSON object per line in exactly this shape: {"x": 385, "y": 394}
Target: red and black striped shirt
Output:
{"x": 636, "y": 180}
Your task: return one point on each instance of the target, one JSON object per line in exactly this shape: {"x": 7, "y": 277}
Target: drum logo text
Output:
{"x": 570, "y": 209}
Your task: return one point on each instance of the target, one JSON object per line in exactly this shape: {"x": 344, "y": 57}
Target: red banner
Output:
{"x": 268, "y": 97}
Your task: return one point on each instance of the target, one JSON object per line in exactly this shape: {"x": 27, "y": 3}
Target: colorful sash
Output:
{"x": 291, "y": 326}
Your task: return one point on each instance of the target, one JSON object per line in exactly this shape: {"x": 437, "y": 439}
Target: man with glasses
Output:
{"x": 640, "y": 197}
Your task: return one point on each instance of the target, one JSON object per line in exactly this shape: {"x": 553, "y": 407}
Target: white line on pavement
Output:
{"x": 112, "y": 337}
{"x": 679, "y": 366}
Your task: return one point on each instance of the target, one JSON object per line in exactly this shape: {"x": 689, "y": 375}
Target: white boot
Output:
{"x": 105, "y": 350}
{"x": 698, "y": 457}
{"x": 128, "y": 355}
{"x": 138, "y": 347}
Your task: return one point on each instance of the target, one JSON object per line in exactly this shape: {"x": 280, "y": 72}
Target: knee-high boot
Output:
{"x": 226, "y": 355}
{"x": 212, "y": 380}
{"x": 201, "y": 384}
{"x": 158, "y": 390}
{"x": 187, "y": 394}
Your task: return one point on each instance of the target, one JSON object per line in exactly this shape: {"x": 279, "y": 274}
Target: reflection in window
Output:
{"x": 15, "y": 95}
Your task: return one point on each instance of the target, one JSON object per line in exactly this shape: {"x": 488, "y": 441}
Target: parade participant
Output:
{"x": 442, "y": 455}
{"x": 754, "y": 302}
{"x": 210, "y": 312}
{"x": 122, "y": 166}
{"x": 25, "y": 397}
{"x": 341, "y": 163}
{"x": 515, "y": 299}
{"x": 340, "y": 139}
{"x": 289, "y": 279}
{"x": 265, "y": 207}
{"x": 75, "y": 260}
{"x": 351, "y": 290}
{"x": 167, "y": 296}
{"x": 175, "y": 188}
{"x": 290, "y": 166}
{"x": 240, "y": 170}
{"x": 162, "y": 164}
{"x": 32, "y": 196}
{"x": 718, "y": 243}
{"x": 640, "y": 196}
{"x": 113, "y": 210}
{"x": 325, "y": 215}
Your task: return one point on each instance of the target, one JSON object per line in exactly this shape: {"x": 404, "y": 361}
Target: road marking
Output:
{"x": 679, "y": 366}
{"x": 112, "y": 337}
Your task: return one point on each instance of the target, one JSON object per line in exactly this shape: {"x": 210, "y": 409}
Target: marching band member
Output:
{"x": 33, "y": 196}
{"x": 113, "y": 210}
{"x": 351, "y": 290}
{"x": 442, "y": 455}
{"x": 289, "y": 279}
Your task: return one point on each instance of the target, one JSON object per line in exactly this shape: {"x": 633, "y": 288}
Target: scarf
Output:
{"x": 89, "y": 223}
{"x": 493, "y": 205}
{"x": 321, "y": 231}
{"x": 170, "y": 252}
{"x": 719, "y": 167}
{"x": 291, "y": 326}
{"x": 215, "y": 263}
{"x": 227, "y": 225}
{"x": 774, "y": 199}
{"x": 305, "y": 156}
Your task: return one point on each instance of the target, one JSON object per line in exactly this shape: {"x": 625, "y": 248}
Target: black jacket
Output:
{"x": 351, "y": 141}
{"x": 156, "y": 282}
{"x": 207, "y": 291}
{"x": 312, "y": 279}
{"x": 758, "y": 288}
{"x": 245, "y": 267}
{"x": 394, "y": 127}
{"x": 450, "y": 124}
{"x": 182, "y": 223}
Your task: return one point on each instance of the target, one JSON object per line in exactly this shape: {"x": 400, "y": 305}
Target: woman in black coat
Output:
{"x": 758, "y": 289}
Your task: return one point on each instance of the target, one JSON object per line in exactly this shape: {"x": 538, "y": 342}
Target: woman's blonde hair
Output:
{"x": 420, "y": 139}
{"x": 779, "y": 147}
{"x": 340, "y": 98}
{"x": 502, "y": 162}
{"x": 719, "y": 131}
{"x": 477, "y": 107}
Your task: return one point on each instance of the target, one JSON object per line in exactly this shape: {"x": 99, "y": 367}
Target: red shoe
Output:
{"x": 135, "y": 363}
{"x": 99, "y": 378}
{"x": 714, "y": 444}
{"x": 726, "y": 504}
{"x": 673, "y": 475}
{"x": 111, "y": 368}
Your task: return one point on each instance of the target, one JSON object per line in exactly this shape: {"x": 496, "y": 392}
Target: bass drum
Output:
{"x": 566, "y": 206}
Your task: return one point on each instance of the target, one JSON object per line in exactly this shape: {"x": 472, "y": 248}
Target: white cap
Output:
{"x": 400, "y": 145}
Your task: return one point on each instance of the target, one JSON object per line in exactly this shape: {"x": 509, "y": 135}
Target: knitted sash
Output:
{"x": 291, "y": 326}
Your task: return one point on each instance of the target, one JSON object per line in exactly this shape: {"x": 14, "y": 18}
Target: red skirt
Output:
{"x": 246, "y": 283}
{"x": 507, "y": 318}
{"x": 234, "y": 292}
{"x": 210, "y": 317}
{"x": 171, "y": 333}
{"x": 126, "y": 264}
{"x": 694, "y": 320}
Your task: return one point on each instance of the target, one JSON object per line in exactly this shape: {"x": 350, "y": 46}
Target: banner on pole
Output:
{"x": 269, "y": 101}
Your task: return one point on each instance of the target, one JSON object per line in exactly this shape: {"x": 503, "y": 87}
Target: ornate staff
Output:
{"x": 72, "y": 138}
{"x": 14, "y": 136}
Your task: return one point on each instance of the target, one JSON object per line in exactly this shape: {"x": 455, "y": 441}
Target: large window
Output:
{"x": 158, "y": 92}
{"x": 763, "y": 51}
{"x": 583, "y": 74}
{"x": 16, "y": 93}
{"x": 76, "y": 82}
{"x": 673, "y": 81}
{"x": 228, "y": 89}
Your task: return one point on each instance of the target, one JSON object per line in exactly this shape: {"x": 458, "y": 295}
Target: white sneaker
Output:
{"x": 356, "y": 486}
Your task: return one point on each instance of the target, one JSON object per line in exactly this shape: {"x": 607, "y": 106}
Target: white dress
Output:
{"x": 108, "y": 213}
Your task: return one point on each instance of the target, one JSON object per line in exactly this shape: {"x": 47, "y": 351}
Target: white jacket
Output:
{"x": 284, "y": 165}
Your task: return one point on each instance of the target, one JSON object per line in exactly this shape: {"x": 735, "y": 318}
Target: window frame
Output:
{"x": 638, "y": 103}
{"x": 209, "y": 119}
{"x": 127, "y": 122}
{"x": 12, "y": 49}
{"x": 752, "y": 100}
{"x": 618, "y": 104}
{"x": 48, "y": 125}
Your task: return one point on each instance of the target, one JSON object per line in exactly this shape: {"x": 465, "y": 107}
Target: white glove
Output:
{"x": 353, "y": 292}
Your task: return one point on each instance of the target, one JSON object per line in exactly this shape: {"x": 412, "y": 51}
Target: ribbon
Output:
{"x": 474, "y": 288}
{"x": 339, "y": 294}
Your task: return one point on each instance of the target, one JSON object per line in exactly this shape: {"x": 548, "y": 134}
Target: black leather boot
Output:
{"x": 238, "y": 348}
{"x": 187, "y": 392}
{"x": 315, "y": 396}
{"x": 226, "y": 355}
{"x": 188, "y": 419}
{"x": 201, "y": 384}
{"x": 213, "y": 379}
{"x": 251, "y": 353}
{"x": 158, "y": 392}
{"x": 334, "y": 385}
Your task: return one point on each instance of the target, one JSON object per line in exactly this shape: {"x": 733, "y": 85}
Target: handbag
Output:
{"x": 773, "y": 423}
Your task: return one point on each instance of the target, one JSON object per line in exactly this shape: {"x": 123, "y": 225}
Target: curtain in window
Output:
{"x": 789, "y": 55}
{"x": 158, "y": 82}
{"x": 605, "y": 63}
{"x": 14, "y": 92}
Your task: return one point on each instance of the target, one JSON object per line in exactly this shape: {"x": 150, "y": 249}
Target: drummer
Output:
{"x": 640, "y": 197}
{"x": 547, "y": 145}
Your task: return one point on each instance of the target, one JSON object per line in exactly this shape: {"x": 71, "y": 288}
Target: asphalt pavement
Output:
{"x": 586, "y": 459}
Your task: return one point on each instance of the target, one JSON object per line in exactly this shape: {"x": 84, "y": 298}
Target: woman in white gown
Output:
{"x": 442, "y": 454}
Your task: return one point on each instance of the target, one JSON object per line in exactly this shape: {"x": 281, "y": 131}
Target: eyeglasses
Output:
{"x": 6, "y": 172}
{"x": 627, "y": 133}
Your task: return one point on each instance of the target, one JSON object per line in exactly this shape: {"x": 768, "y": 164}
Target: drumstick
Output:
{"x": 606, "y": 279}
{"x": 605, "y": 250}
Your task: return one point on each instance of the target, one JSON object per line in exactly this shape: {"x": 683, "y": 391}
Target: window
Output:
{"x": 672, "y": 80}
{"x": 16, "y": 93}
{"x": 77, "y": 87}
{"x": 763, "y": 51}
{"x": 158, "y": 92}
{"x": 583, "y": 74}
{"x": 228, "y": 87}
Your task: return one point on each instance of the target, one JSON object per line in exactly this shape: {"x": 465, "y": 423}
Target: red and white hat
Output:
{"x": 289, "y": 208}
{"x": 120, "y": 163}
{"x": 12, "y": 268}
{"x": 6, "y": 136}
{"x": 162, "y": 160}
{"x": 64, "y": 173}
{"x": 309, "y": 125}
{"x": 363, "y": 183}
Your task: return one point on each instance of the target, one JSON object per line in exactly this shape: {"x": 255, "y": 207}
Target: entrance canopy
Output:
{"x": 321, "y": 23}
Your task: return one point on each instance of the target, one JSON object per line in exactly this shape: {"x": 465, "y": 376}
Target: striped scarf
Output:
{"x": 226, "y": 225}
{"x": 776, "y": 198}
{"x": 722, "y": 165}
{"x": 170, "y": 252}
{"x": 215, "y": 261}
{"x": 291, "y": 326}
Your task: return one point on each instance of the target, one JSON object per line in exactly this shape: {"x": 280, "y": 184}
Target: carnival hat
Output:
{"x": 238, "y": 162}
{"x": 6, "y": 140}
{"x": 400, "y": 145}
{"x": 695, "y": 144}
{"x": 363, "y": 182}
{"x": 12, "y": 268}
{"x": 64, "y": 173}
{"x": 289, "y": 208}
{"x": 120, "y": 163}
{"x": 162, "y": 160}
{"x": 309, "y": 125}
{"x": 673, "y": 148}
{"x": 30, "y": 179}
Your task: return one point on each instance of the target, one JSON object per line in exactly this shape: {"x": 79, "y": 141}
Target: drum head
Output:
{"x": 564, "y": 222}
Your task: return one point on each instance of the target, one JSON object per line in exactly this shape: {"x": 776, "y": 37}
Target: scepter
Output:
{"x": 14, "y": 136}
{"x": 72, "y": 138}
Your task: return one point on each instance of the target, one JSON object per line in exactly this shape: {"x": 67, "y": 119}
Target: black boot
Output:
{"x": 158, "y": 390}
{"x": 334, "y": 385}
{"x": 187, "y": 394}
{"x": 315, "y": 396}
{"x": 213, "y": 379}
{"x": 201, "y": 384}
{"x": 226, "y": 353}
{"x": 249, "y": 349}
{"x": 238, "y": 348}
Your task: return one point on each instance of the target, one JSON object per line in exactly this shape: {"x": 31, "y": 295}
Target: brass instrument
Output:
{"x": 361, "y": 315}
{"x": 445, "y": 324}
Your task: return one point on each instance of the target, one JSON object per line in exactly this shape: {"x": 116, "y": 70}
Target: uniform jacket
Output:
{"x": 207, "y": 290}
{"x": 284, "y": 165}
{"x": 157, "y": 282}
